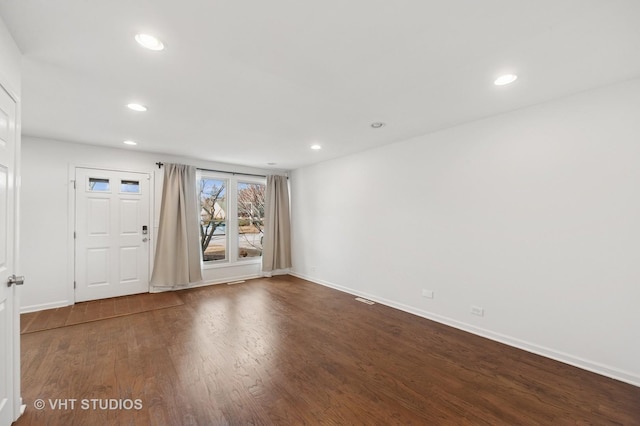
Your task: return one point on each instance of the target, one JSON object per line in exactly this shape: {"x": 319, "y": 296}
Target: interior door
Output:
{"x": 9, "y": 316}
{"x": 112, "y": 233}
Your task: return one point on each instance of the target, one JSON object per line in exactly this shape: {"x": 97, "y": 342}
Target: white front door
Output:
{"x": 113, "y": 229}
{"x": 9, "y": 317}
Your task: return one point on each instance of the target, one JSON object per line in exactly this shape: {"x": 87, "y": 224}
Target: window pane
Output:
{"x": 250, "y": 219}
{"x": 130, "y": 186}
{"x": 98, "y": 184}
{"x": 213, "y": 219}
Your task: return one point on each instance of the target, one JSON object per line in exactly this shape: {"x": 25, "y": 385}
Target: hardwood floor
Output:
{"x": 96, "y": 310}
{"x": 286, "y": 351}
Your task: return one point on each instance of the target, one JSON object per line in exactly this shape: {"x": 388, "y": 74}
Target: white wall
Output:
{"x": 532, "y": 215}
{"x": 47, "y": 213}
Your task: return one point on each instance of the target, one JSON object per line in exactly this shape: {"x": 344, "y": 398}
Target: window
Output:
{"x": 250, "y": 219}
{"x": 130, "y": 186}
{"x": 98, "y": 184}
{"x": 213, "y": 219}
{"x": 231, "y": 218}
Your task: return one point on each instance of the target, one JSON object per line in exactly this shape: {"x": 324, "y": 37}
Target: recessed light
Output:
{"x": 271, "y": 164}
{"x": 377, "y": 124}
{"x": 505, "y": 79}
{"x": 316, "y": 147}
{"x": 130, "y": 143}
{"x": 149, "y": 41}
{"x": 137, "y": 107}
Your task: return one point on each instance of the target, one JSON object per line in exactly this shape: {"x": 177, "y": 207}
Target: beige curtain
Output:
{"x": 177, "y": 261}
{"x": 276, "y": 247}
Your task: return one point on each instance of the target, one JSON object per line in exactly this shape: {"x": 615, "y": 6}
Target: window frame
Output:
{"x": 214, "y": 176}
{"x": 232, "y": 231}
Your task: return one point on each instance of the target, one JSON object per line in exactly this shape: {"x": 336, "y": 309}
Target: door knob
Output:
{"x": 145, "y": 239}
{"x": 13, "y": 279}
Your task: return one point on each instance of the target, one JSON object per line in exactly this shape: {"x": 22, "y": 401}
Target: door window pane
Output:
{"x": 213, "y": 219}
{"x": 250, "y": 219}
{"x": 131, "y": 186}
{"x": 98, "y": 184}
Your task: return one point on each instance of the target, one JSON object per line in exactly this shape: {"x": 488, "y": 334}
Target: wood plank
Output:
{"x": 26, "y": 320}
{"x": 97, "y": 310}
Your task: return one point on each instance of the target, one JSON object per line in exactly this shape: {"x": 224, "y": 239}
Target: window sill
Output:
{"x": 228, "y": 264}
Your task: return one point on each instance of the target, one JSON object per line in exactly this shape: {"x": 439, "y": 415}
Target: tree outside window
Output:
{"x": 213, "y": 219}
{"x": 250, "y": 219}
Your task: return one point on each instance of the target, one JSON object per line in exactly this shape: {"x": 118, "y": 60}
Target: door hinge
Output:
{"x": 74, "y": 184}
{"x": 74, "y": 285}
{"x": 74, "y": 235}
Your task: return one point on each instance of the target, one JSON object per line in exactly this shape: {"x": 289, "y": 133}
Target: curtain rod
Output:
{"x": 160, "y": 164}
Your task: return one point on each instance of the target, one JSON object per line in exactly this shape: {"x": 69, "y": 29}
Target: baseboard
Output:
{"x": 206, "y": 283}
{"x": 595, "y": 367}
{"x": 276, "y": 272}
{"x": 43, "y": 306}
{"x": 227, "y": 280}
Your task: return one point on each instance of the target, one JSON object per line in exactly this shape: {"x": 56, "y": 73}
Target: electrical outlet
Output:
{"x": 312, "y": 269}
{"x": 427, "y": 293}
{"x": 477, "y": 310}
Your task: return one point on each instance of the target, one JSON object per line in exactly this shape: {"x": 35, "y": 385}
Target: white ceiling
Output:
{"x": 252, "y": 82}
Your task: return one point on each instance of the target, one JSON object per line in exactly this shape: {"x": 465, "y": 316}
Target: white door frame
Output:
{"x": 16, "y": 408}
{"x": 71, "y": 246}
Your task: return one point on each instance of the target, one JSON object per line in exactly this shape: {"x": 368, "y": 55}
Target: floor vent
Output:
{"x": 367, "y": 301}
{"x": 235, "y": 282}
